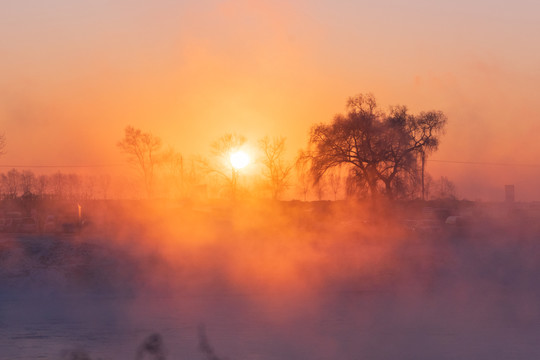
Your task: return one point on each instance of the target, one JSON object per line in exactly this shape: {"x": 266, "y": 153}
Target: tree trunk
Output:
{"x": 371, "y": 179}
{"x": 388, "y": 188}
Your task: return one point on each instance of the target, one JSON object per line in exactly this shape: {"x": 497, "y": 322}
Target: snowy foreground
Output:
{"x": 209, "y": 286}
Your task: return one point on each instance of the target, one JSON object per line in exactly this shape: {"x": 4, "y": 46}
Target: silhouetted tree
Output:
{"x": 422, "y": 131}
{"x": 355, "y": 187}
{"x": 194, "y": 179}
{"x": 143, "y": 150}
{"x": 2, "y": 144}
{"x": 104, "y": 183}
{"x": 73, "y": 186}
{"x": 27, "y": 181}
{"x": 276, "y": 170}
{"x": 320, "y": 188}
{"x": 443, "y": 189}
{"x": 334, "y": 180}
{"x": 87, "y": 187}
{"x": 42, "y": 185}
{"x": 222, "y": 149}
{"x": 379, "y": 148}
{"x": 303, "y": 176}
{"x": 11, "y": 184}
{"x": 58, "y": 183}
{"x": 174, "y": 177}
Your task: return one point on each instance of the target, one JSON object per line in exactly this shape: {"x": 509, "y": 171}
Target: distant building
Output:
{"x": 509, "y": 192}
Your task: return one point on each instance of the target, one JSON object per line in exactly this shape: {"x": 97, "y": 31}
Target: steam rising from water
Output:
{"x": 273, "y": 281}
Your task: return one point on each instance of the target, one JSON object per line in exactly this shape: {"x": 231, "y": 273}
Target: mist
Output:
{"x": 271, "y": 280}
{"x": 418, "y": 242}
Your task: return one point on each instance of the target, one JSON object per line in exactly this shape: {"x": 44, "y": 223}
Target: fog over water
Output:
{"x": 275, "y": 281}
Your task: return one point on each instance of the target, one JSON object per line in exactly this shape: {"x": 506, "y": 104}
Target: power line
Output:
{"x": 62, "y": 166}
{"x": 120, "y": 165}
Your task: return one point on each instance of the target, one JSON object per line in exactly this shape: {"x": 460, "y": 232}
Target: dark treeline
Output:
{"x": 61, "y": 186}
{"x": 365, "y": 152}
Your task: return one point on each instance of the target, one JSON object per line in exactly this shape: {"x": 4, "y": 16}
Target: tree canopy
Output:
{"x": 2, "y": 144}
{"x": 222, "y": 149}
{"x": 275, "y": 169}
{"x": 379, "y": 148}
{"x": 143, "y": 150}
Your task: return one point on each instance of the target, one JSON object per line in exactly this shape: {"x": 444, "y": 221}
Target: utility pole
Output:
{"x": 423, "y": 154}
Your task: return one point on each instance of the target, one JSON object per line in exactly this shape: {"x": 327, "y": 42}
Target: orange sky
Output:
{"x": 74, "y": 74}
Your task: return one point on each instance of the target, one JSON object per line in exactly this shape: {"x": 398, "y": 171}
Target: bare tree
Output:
{"x": 303, "y": 175}
{"x": 58, "y": 183}
{"x": 320, "y": 188}
{"x": 380, "y": 149}
{"x": 143, "y": 151}
{"x": 222, "y": 149}
{"x": 174, "y": 173}
{"x": 2, "y": 144}
{"x": 11, "y": 184}
{"x": 73, "y": 186}
{"x": 42, "y": 185}
{"x": 276, "y": 170}
{"x": 104, "y": 183}
{"x": 443, "y": 189}
{"x": 423, "y": 133}
{"x": 27, "y": 181}
{"x": 88, "y": 185}
{"x": 334, "y": 180}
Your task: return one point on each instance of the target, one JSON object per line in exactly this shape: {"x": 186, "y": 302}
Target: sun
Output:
{"x": 239, "y": 159}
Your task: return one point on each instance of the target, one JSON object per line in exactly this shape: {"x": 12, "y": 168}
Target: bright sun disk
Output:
{"x": 239, "y": 159}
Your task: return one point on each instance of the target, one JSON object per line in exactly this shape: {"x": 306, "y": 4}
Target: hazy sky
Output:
{"x": 73, "y": 74}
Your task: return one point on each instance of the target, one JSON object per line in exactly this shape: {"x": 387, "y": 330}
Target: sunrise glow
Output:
{"x": 232, "y": 179}
{"x": 239, "y": 160}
